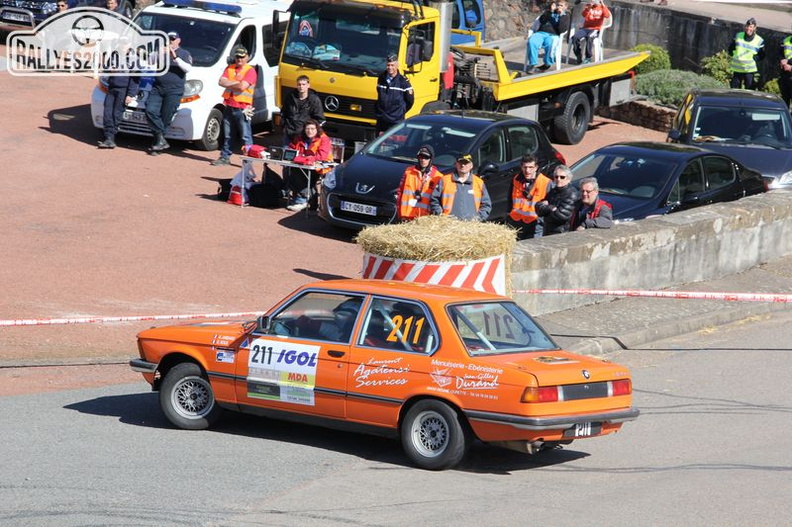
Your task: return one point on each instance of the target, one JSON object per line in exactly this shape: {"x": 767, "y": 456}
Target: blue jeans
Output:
{"x": 236, "y": 128}
{"x": 540, "y": 39}
{"x": 161, "y": 106}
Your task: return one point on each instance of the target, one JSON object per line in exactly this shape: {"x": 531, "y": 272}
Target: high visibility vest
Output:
{"x": 450, "y": 190}
{"x": 524, "y": 207}
{"x": 320, "y": 149}
{"x": 415, "y": 190}
{"x": 742, "y": 60}
{"x": 245, "y": 97}
{"x": 574, "y": 222}
{"x": 787, "y": 44}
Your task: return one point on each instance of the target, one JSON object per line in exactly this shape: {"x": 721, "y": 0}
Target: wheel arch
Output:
{"x": 172, "y": 359}
{"x": 412, "y": 401}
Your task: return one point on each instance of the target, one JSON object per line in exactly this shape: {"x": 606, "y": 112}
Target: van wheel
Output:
{"x": 211, "y": 136}
{"x": 433, "y": 437}
{"x": 187, "y": 399}
{"x": 570, "y": 127}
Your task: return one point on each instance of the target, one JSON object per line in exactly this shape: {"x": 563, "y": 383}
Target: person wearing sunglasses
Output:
{"x": 62, "y": 6}
{"x": 591, "y": 212}
{"x": 461, "y": 193}
{"x": 417, "y": 184}
{"x": 557, "y": 209}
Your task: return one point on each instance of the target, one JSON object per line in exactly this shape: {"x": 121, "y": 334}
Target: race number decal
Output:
{"x": 280, "y": 371}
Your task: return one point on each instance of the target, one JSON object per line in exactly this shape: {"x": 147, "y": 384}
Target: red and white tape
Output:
{"x": 692, "y": 295}
{"x": 90, "y": 320}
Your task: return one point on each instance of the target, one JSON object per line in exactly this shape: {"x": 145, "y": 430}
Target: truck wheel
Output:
{"x": 211, "y": 136}
{"x": 433, "y": 436}
{"x": 187, "y": 399}
{"x": 570, "y": 127}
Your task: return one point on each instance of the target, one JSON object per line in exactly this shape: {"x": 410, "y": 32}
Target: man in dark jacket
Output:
{"x": 121, "y": 90}
{"x": 557, "y": 209}
{"x": 166, "y": 92}
{"x": 394, "y": 95}
{"x": 300, "y": 105}
{"x": 591, "y": 212}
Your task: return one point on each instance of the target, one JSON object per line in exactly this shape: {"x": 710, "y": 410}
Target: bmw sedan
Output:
{"x": 362, "y": 191}
{"x": 650, "y": 179}
{"x": 752, "y": 127}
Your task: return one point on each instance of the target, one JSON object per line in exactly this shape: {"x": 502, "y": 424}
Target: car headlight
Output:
{"x": 329, "y": 181}
{"x": 192, "y": 87}
{"x": 784, "y": 180}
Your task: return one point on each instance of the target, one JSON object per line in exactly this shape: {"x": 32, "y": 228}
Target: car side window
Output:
{"x": 397, "y": 325}
{"x": 720, "y": 172}
{"x": 492, "y": 149}
{"x": 523, "y": 140}
{"x": 318, "y": 315}
{"x": 691, "y": 181}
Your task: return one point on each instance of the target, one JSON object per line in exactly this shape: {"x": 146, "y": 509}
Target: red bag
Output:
{"x": 235, "y": 196}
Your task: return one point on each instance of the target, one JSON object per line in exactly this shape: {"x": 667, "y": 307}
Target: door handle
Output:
{"x": 336, "y": 353}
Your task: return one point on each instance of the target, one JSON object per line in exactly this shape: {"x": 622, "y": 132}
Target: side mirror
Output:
{"x": 263, "y": 324}
{"x": 487, "y": 169}
{"x": 673, "y": 136}
{"x": 427, "y": 49}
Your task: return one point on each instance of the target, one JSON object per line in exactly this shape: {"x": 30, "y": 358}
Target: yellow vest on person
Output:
{"x": 742, "y": 60}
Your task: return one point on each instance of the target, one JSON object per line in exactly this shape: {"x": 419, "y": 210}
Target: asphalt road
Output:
{"x": 710, "y": 448}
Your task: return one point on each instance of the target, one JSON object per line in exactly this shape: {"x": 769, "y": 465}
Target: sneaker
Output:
{"x": 586, "y": 61}
{"x": 545, "y": 67}
{"x": 297, "y": 207}
{"x": 107, "y": 143}
{"x": 222, "y": 161}
{"x": 530, "y": 69}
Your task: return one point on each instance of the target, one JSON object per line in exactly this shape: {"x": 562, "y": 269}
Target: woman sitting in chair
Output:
{"x": 594, "y": 15}
{"x": 312, "y": 146}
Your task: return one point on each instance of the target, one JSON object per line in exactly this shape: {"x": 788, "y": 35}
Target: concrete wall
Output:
{"x": 655, "y": 253}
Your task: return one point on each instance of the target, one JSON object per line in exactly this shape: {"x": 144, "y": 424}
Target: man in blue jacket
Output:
{"x": 394, "y": 95}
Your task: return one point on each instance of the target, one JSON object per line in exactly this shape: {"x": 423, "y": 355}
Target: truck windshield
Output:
{"x": 205, "y": 40}
{"x": 341, "y": 40}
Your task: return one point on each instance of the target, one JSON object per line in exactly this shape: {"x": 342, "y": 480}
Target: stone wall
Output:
{"x": 641, "y": 113}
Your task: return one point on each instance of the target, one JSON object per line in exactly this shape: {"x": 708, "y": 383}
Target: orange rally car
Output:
{"x": 434, "y": 365}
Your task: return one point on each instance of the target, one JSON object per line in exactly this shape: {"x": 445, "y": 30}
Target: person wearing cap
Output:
{"x": 395, "y": 95}
{"x": 785, "y": 65}
{"x": 239, "y": 80}
{"x": 121, "y": 90}
{"x": 557, "y": 209}
{"x": 300, "y": 105}
{"x": 417, "y": 184}
{"x": 528, "y": 188}
{"x": 745, "y": 50}
{"x": 594, "y": 15}
{"x": 166, "y": 92}
{"x": 462, "y": 193}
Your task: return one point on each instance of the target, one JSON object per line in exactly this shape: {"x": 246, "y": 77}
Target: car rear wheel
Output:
{"x": 187, "y": 398}
{"x": 211, "y": 136}
{"x": 570, "y": 127}
{"x": 433, "y": 436}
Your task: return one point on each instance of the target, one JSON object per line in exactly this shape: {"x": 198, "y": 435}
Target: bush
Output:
{"x": 669, "y": 86}
{"x": 717, "y": 66}
{"x": 658, "y": 60}
{"x": 771, "y": 86}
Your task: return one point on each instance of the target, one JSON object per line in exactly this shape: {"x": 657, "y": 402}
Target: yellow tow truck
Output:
{"x": 342, "y": 44}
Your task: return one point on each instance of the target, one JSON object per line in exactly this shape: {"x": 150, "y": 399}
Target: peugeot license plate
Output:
{"x": 584, "y": 430}
{"x": 358, "y": 208}
{"x": 17, "y": 17}
{"x": 135, "y": 117}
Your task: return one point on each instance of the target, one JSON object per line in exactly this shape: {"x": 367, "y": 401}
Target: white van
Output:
{"x": 209, "y": 31}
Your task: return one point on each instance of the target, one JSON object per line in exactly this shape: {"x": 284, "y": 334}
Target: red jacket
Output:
{"x": 308, "y": 153}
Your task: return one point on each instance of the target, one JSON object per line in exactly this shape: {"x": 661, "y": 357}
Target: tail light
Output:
{"x": 560, "y": 158}
{"x": 541, "y": 394}
{"x": 621, "y": 387}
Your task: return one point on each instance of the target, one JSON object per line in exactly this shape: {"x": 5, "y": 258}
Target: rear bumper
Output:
{"x": 552, "y": 423}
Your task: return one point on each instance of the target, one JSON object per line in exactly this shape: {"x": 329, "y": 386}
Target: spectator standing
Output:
{"x": 63, "y": 5}
{"x": 301, "y": 104}
{"x": 417, "y": 184}
{"x": 551, "y": 25}
{"x": 591, "y": 212}
{"x": 461, "y": 194}
{"x": 395, "y": 95}
{"x": 312, "y": 146}
{"x": 557, "y": 209}
{"x": 528, "y": 188}
{"x": 745, "y": 50}
{"x": 785, "y": 79}
{"x": 239, "y": 80}
{"x": 594, "y": 15}
{"x": 166, "y": 92}
{"x": 121, "y": 90}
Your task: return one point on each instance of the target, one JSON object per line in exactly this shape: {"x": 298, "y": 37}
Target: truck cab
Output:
{"x": 209, "y": 31}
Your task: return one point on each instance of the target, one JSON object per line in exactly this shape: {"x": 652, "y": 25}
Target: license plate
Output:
{"x": 359, "y": 208}
{"x": 137, "y": 117}
{"x": 584, "y": 430}
{"x": 16, "y": 17}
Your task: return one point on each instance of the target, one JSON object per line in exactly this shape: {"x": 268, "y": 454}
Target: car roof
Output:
{"x": 729, "y": 97}
{"x": 655, "y": 149}
{"x": 473, "y": 119}
{"x": 407, "y": 290}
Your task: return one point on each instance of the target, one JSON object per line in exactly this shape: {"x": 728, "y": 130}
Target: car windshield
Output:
{"x": 498, "y": 327}
{"x": 403, "y": 142}
{"x": 765, "y": 126}
{"x": 205, "y": 40}
{"x": 337, "y": 39}
{"x": 637, "y": 176}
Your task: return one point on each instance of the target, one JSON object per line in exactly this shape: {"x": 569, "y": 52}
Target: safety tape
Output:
{"x": 90, "y": 320}
{"x": 693, "y": 295}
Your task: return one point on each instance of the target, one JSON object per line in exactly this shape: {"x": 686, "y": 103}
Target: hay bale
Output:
{"x": 438, "y": 239}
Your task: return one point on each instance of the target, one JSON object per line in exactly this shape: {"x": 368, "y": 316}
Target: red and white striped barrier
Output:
{"x": 487, "y": 275}
{"x": 693, "y": 295}
{"x": 90, "y": 320}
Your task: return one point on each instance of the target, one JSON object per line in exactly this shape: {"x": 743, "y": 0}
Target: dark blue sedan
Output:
{"x": 650, "y": 179}
{"x": 362, "y": 191}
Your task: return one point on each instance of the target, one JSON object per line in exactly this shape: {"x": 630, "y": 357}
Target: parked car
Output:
{"x": 362, "y": 191}
{"x": 27, "y": 14}
{"x": 753, "y": 127}
{"x": 649, "y": 179}
{"x": 436, "y": 366}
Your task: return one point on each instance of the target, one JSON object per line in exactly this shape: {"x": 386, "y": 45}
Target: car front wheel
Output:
{"x": 187, "y": 398}
{"x": 433, "y": 436}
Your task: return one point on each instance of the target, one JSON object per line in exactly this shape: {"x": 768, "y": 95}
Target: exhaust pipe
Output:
{"x": 524, "y": 447}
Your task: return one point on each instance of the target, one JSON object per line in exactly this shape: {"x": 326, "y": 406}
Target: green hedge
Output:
{"x": 658, "y": 60}
{"x": 669, "y": 86}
